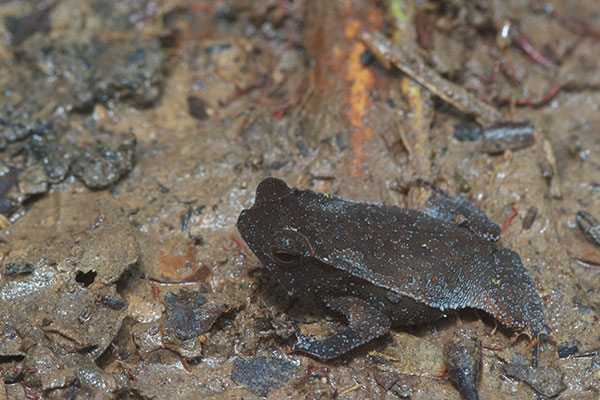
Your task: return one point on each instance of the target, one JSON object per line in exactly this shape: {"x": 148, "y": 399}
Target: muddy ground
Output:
{"x": 132, "y": 134}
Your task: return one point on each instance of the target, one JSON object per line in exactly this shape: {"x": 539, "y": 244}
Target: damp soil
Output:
{"x": 133, "y": 133}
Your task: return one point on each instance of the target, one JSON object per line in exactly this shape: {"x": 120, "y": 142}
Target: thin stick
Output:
{"x": 389, "y": 53}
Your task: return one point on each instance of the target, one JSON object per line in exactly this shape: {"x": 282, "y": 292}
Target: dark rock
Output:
{"x": 340, "y": 140}
{"x": 198, "y": 107}
{"x": 260, "y": 375}
{"x": 468, "y": 131}
{"x": 187, "y": 318}
{"x": 18, "y": 268}
{"x": 183, "y": 314}
{"x": 566, "y": 349}
{"x": 105, "y": 161}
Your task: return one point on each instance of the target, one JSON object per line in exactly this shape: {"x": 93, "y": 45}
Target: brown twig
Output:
{"x": 389, "y": 53}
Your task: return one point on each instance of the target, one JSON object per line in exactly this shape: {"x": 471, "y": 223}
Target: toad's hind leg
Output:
{"x": 365, "y": 323}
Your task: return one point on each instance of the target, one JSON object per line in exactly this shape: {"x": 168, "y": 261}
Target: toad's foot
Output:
{"x": 365, "y": 323}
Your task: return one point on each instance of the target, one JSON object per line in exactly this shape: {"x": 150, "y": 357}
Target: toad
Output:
{"x": 382, "y": 266}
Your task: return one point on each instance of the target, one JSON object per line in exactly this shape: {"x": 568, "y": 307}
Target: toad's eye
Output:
{"x": 285, "y": 257}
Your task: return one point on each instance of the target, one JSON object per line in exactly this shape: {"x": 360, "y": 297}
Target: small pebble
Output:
{"x": 17, "y": 269}
{"x": 340, "y": 140}
{"x": 504, "y": 136}
{"x": 566, "y": 349}
{"x": 198, "y": 108}
{"x": 366, "y": 58}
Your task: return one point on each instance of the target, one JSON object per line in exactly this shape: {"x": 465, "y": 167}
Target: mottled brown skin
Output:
{"x": 383, "y": 265}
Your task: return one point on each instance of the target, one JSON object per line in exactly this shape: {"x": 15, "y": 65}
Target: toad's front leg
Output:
{"x": 365, "y": 323}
